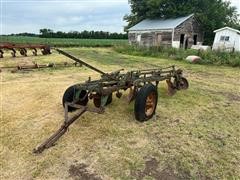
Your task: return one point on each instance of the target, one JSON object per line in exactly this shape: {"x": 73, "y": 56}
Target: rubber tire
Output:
{"x": 69, "y": 95}
{"x": 140, "y": 102}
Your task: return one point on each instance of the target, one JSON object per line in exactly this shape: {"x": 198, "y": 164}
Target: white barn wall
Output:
{"x": 234, "y": 40}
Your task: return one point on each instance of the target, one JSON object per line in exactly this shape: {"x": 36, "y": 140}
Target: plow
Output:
{"x": 23, "y": 49}
{"x": 27, "y": 68}
{"x": 141, "y": 84}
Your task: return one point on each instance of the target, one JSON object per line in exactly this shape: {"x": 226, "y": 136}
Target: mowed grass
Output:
{"x": 63, "y": 42}
{"x": 195, "y": 134}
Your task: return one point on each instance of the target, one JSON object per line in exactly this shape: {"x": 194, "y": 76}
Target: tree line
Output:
{"x": 212, "y": 14}
{"x": 48, "y": 33}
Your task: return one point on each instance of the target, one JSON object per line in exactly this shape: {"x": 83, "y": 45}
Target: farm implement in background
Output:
{"x": 23, "y": 48}
{"x": 27, "y": 68}
{"x": 142, "y": 85}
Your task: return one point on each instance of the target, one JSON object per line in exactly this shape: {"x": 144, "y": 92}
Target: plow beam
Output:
{"x": 67, "y": 122}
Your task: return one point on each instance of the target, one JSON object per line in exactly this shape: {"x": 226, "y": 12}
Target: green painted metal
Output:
{"x": 104, "y": 100}
{"x": 121, "y": 81}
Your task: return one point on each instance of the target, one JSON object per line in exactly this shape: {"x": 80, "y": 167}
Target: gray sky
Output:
{"x": 31, "y": 15}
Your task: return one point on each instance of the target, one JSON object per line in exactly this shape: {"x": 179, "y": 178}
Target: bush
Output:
{"x": 208, "y": 57}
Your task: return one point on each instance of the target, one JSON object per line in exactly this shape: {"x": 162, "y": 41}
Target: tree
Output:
{"x": 46, "y": 32}
{"x": 212, "y": 14}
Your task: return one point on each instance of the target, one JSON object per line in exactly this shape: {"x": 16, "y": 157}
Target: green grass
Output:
{"x": 61, "y": 42}
{"x": 208, "y": 57}
{"x": 195, "y": 134}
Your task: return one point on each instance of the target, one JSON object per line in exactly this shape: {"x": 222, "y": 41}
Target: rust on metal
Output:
{"x": 22, "y": 68}
{"x": 22, "y": 48}
{"x": 150, "y": 104}
{"x": 64, "y": 127}
{"x": 171, "y": 89}
{"x": 142, "y": 85}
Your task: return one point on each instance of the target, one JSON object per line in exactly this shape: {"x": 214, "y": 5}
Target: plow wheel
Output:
{"x": 34, "y": 51}
{"x": 44, "y": 52}
{"x": 23, "y": 52}
{"x": 101, "y": 101}
{"x": 13, "y": 53}
{"x": 182, "y": 84}
{"x": 146, "y": 103}
{"x": 74, "y": 95}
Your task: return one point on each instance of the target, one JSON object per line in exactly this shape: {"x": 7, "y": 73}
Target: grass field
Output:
{"x": 195, "y": 134}
{"x": 61, "y": 42}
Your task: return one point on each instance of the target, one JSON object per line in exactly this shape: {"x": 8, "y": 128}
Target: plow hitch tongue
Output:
{"x": 64, "y": 127}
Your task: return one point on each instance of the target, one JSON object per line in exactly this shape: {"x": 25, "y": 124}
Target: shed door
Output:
{"x": 182, "y": 40}
{"x": 139, "y": 38}
{"x": 159, "y": 39}
{"x": 195, "y": 39}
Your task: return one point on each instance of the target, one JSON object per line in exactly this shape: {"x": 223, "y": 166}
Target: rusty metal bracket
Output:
{"x": 67, "y": 122}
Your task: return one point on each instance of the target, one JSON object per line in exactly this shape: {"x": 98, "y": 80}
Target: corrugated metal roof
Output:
{"x": 159, "y": 24}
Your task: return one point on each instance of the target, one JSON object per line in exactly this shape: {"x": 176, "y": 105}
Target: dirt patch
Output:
{"x": 205, "y": 74}
{"x": 152, "y": 170}
{"x": 80, "y": 172}
{"x": 230, "y": 96}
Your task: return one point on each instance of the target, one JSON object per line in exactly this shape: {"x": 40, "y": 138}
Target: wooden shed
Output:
{"x": 182, "y": 32}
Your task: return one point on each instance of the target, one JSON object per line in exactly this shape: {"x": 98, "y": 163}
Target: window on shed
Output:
{"x": 222, "y": 38}
{"x": 227, "y": 38}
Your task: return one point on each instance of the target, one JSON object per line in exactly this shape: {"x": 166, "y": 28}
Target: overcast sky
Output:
{"x": 62, "y": 15}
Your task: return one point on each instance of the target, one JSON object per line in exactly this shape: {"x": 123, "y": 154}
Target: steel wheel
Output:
{"x": 182, "y": 84}
{"x": 70, "y": 95}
